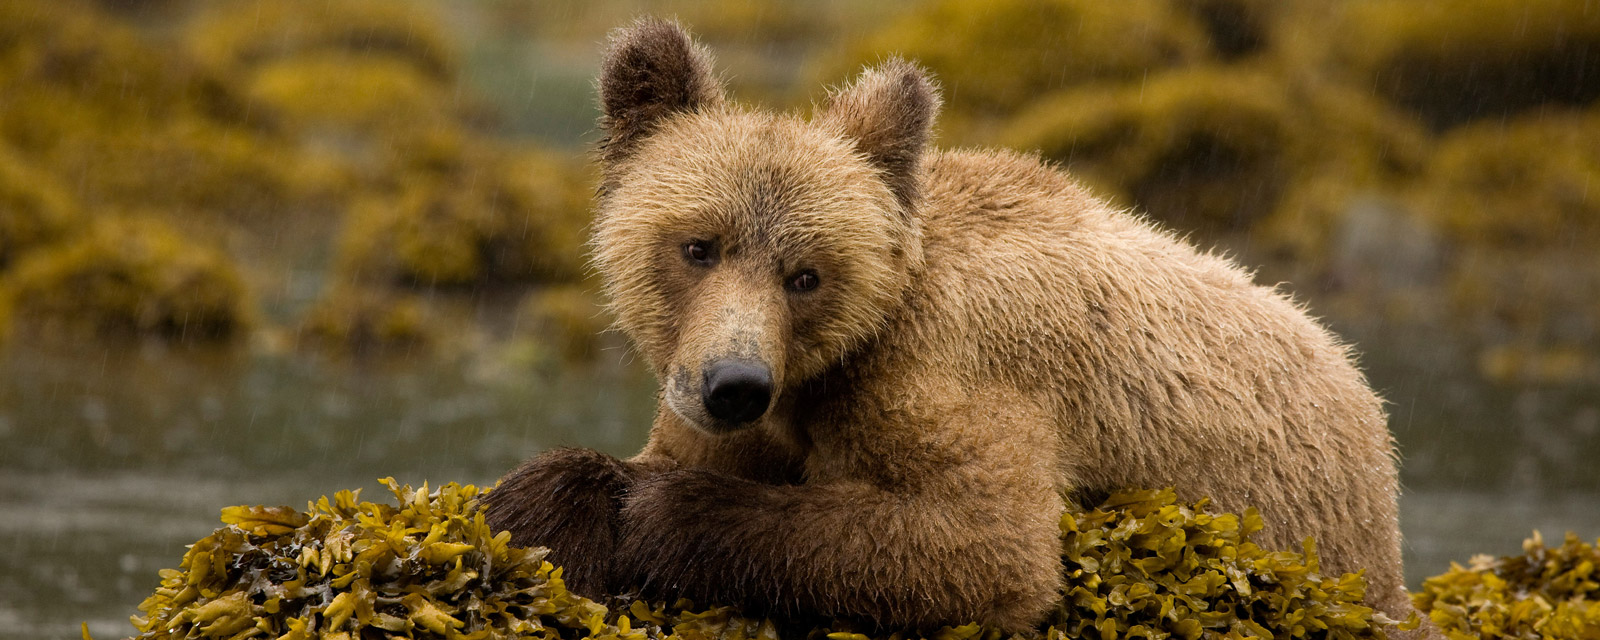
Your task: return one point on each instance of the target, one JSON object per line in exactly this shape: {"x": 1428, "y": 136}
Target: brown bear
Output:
{"x": 885, "y": 368}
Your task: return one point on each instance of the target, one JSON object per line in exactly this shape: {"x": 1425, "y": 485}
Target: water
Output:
{"x": 112, "y": 461}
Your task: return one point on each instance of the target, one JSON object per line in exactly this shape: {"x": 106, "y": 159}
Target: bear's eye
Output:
{"x": 804, "y": 281}
{"x": 698, "y": 252}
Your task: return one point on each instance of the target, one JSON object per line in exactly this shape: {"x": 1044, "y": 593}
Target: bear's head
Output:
{"x": 745, "y": 252}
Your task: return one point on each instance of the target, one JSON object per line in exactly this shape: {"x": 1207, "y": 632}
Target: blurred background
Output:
{"x": 256, "y": 251}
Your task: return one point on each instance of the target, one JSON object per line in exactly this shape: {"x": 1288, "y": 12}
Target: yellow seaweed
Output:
{"x": 1143, "y": 565}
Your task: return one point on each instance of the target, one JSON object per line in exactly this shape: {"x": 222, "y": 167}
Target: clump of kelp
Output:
{"x": 1142, "y": 564}
{"x": 429, "y": 567}
{"x": 1547, "y": 592}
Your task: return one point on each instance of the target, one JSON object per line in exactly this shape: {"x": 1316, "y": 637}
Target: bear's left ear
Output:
{"x": 889, "y": 112}
{"x": 652, "y": 70}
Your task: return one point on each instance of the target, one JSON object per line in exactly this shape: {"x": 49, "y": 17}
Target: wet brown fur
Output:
{"x": 988, "y": 341}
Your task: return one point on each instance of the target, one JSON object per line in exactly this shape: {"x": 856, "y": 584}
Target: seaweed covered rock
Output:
{"x": 428, "y": 567}
{"x": 1140, "y": 565}
{"x": 126, "y": 278}
{"x": 352, "y": 83}
{"x": 994, "y": 57}
{"x": 565, "y": 322}
{"x": 353, "y": 79}
{"x": 334, "y": 91}
{"x": 94, "y": 102}
{"x": 1215, "y": 149}
{"x": 205, "y": 168}
{"x": 1517, "y": 203}
{"x": 1144, "y": 565}
{"x": 1525, "y": 183}
{"x": 34, "y": 209}
{"x": 1547, "y": 592}
{"x": 467, "y": 215}
{"x": 66, "y": 65}
{"x": 1459, "y": 61}
{"x": 1237, "y": 28}
{"x": 242, "y": 35}
{"x": 360, "y": 321}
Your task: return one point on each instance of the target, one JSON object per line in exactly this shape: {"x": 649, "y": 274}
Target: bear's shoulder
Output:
{"x": 1001, "y": 174}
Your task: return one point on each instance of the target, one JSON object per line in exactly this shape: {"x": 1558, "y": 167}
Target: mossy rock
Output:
{"x": 991, "y": 58}
{"x": 239, "y": 36}
{"x": 34, "y": 209}
{"x": 357, "y": 321}
{"x": 1215, "y": 149}
{"x": 134, "y": 278}
{"x": 1547, "y": 592}
{"x": 1458, "y": 61}
{"x": 1140, "y": 565}
{"x": 474, "y": 218}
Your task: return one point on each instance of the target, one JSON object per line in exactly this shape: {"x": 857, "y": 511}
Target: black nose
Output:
{"x": 737, "y": 390}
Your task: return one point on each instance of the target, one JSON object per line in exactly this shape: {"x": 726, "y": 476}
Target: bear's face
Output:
{"x": 744, "y": 253}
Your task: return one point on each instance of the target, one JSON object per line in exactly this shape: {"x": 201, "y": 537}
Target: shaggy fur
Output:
{"x": 987, "y": 341}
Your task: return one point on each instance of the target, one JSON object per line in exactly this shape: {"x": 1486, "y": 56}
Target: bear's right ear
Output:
{"x": 652, "y": 69}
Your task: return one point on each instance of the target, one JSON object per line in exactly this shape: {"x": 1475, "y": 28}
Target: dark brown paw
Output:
{"x": 568, "y": 500}
{"x": 681, "y": 535}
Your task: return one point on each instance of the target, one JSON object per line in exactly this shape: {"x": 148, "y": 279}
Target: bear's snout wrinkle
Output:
{"x": 737, "y": 391}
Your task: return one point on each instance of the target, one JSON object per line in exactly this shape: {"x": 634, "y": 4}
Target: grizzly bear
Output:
{"x": 887, "y": 368}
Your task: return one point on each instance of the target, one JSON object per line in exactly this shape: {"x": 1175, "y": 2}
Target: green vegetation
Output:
{"x": 126, "y": 278}
{"x": 1547, "y": 592}
{"x": 1140, "y": 565}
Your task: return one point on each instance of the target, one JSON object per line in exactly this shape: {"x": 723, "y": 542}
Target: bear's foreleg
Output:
{"x": 567, "y": 500}
{"x": 844, "y": 549}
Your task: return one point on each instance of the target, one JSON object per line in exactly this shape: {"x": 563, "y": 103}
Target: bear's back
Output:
{"x": 1161, "y": 361}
